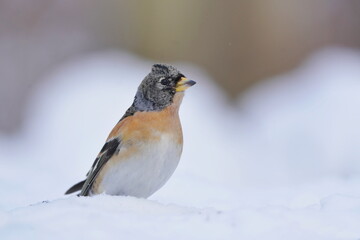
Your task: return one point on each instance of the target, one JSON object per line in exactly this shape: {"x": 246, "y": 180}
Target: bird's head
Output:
{"x": 159, "y": 87}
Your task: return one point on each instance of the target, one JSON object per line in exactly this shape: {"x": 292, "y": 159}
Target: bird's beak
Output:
{"x": 184, "y": 84}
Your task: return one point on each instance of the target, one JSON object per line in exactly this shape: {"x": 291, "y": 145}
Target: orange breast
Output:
{"x": 142, "y": 125}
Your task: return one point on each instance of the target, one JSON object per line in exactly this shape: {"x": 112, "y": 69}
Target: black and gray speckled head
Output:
{"x": 158, "y": 89}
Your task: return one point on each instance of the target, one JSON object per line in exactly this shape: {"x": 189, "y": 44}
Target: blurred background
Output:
{"x": 239, "y": 43}
{"x": 278, "y": 86}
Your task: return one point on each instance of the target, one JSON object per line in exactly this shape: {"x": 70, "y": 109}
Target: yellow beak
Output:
{"x": 184, "y": 84}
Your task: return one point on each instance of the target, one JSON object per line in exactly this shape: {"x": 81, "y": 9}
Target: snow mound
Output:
{"x": 305, "y": 122}
{"x": 108, "y": 217}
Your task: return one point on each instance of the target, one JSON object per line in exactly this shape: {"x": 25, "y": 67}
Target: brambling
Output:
{"x": 144, "y": 148}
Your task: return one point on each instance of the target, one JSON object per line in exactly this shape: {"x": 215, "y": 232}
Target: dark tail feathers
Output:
{"x": 76, "y": 187}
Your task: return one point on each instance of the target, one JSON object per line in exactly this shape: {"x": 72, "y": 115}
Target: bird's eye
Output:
{"x": 165, "y": 81}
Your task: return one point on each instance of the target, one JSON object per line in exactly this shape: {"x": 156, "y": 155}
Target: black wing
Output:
{"x": 108, "y": 150}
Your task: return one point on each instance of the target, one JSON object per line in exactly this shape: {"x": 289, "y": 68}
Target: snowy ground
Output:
{"x": 281, "y": 164}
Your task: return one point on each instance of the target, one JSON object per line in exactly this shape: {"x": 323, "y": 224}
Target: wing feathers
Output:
{"x": 108, "y": 150}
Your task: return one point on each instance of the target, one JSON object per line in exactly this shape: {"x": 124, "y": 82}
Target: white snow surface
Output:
{"x": 283, "y": 163}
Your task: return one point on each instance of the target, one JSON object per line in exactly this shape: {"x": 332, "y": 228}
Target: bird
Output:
{"x": 144, "y": 148}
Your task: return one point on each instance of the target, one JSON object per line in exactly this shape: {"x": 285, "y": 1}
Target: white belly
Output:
{"x": 143, "y": 173}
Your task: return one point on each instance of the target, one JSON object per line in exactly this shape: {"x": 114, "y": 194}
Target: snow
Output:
{"x": 281, "y": 164}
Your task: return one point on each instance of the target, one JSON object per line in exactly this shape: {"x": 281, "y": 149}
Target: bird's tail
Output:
{"x": 76, "y": 187}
